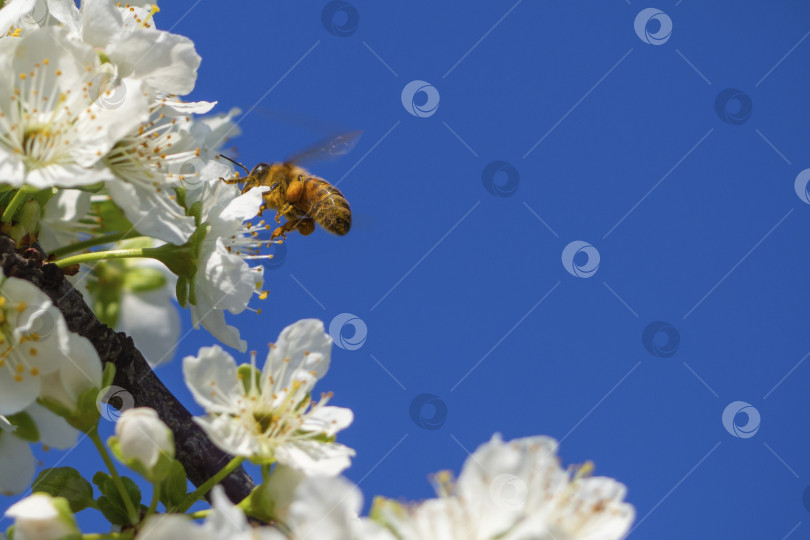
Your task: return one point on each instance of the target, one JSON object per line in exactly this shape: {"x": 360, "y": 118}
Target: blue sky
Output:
{"x": 630, "y": 144}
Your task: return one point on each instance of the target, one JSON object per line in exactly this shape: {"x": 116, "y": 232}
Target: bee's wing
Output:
{"x": 331, "y": 147}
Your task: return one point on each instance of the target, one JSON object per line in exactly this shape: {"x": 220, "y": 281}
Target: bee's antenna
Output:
{"x": 235, "y": 163}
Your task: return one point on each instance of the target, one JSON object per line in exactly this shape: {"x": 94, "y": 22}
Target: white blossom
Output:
{"x": 320, "y": 507}
{"x": 18, "y": 463}
{"x": 56, "y": 118}
{"x": 17, "y": 466}
{"x": 34, "y": 342}
{"x": 226, "y": 521}
{"x": 144, "y": 443}
{"x": 270, "y": 416}
{"x": 513, "y": 491}
{"x": 224, "y": 281}
{"x": 125, "y": 33}
{"x": 62, "y": 222}
{"x": 42, "y": 517}
{"x": 148, "y": 165}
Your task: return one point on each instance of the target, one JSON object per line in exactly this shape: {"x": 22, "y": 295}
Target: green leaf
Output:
{"x": 68, "y": 483}
{"x": 110, "y": 503}
{"x": 26, "y": 427}
{"x": 173, "y": 489}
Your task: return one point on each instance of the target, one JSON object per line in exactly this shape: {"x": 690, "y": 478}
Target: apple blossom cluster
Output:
{"x": 117, "y": 179}
{"x": 97, "y": 147}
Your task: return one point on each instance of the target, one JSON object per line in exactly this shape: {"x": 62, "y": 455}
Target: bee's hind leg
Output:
{"x": 289, "y": 225}
{"x": 306, "y": 226}
{"x": 284, "y": 210}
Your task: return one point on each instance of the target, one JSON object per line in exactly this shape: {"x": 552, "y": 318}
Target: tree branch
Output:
{"x": 195, "y": 451}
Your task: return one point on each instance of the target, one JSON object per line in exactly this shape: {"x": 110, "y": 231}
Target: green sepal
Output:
{"x": 181, "y": 291}
{"x": 180, "y": 197}
{"x": 247, "y": 374}
{"x": 26, "y": 427}
{"x": 66, "y": 482}
{"x": 87, "y": 414}
{"x": 181, "y": 260}
{"x": 28, "y": 216}
{"x": 258, "y": 505}
{"x": 174, "y": 488}
{"x": 110, "y": 502}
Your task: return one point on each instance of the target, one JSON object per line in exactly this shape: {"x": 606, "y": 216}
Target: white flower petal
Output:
{"x": 152, "y": 212}
{"x": 213, "y": 320}
{"x": 171, "y": 527}
{"x": 316, "y": 458}
{"x": 228, "y": 435}
{"x": 12, "y": 11}
{"x": 325, "y": 508}
{"x": 328, "y": 420}
{"x": 212, "y": 378}
{"x": 79, "y": 370}
{"x": 66, "y": 12}
{"x": 167, "y": 62}
{"x": 226, "y": 520}
{"x": 17, "y": 465}
{"x": 152, "y": 321}
{"x": 307, "y": 346}
{"x": 54, "y": 431}
{"x": 100, "y": 22}
{"x": 17, "y": 395}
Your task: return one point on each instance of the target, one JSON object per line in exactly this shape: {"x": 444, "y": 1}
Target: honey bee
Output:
{"x": 301, "y": 197}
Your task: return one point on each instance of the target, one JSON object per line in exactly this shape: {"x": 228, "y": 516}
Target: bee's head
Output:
{"x": 260, "y": 172}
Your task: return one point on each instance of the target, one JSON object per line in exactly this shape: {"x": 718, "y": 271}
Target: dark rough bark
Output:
{"x": 198, "y": 455}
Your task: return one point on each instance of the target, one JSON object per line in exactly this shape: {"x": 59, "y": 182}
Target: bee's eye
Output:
{"x": 300, "y": 178}
{"x": 260, "y": 171}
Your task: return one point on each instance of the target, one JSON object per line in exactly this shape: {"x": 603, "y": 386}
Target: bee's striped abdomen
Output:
{"x": 329, "y": 207}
